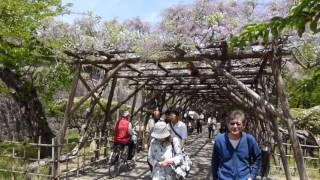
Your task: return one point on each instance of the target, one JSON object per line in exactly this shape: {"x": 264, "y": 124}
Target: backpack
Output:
{"x": 183, "y": 169}
{"x": 265, "y": 160}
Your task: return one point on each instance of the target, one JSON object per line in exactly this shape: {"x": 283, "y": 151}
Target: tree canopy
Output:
{"x": 33, "y": 42}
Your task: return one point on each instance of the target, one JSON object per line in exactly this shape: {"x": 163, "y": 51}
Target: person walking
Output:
{"x": 152, "y": 121}
{"x": 177, "y": 127}
{"x": 150, "y": 126}
{"x": 236, "y": 154}
{"x": 200, "y": 122}
{"x": 164, "y": 153}
{"x": 211, "y": 125}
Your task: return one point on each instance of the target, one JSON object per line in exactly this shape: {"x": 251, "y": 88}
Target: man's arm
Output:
{"x": 177, "y": 159}
{"x": 256, "y": 153}
{"x": 130, "y": 129}
{"x": 150, "y": 158}
{"x": 215, "y": 161}
{"x": 184, "y": 134}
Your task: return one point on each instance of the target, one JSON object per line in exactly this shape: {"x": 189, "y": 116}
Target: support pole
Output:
{"x": 106, "y": 79}
{"x": 107, "y": 115}
{"x": 67, "y": 113}
{"x": 130, "y": 95}
{"x": 275, "y": 63}
{"x": 264, "y": 105}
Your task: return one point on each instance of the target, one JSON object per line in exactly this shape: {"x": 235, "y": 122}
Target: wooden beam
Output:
{"x": 162, "y": 68}
{"x": 262, "y": 111}
{"x": 246, "y": 89}
{"x": 101, "y": 67}
{"x": 107, "y": 116}
{"x": 262, "y": 67}
{"x": 254, "y": 66}
{"x": 129, "y": 96}
{"x": 106, "y": 79}
{"x": 298, "y": 156}
{"x": 265, "y": 104}
{"x": 67, "y": 113}
{"x": 144, "y": 104}
{"x": 133, "y": 69}
{"x": 134, "y": 103}
{"x": 187, "y": 82}
{"x": 186, "y": 58}
{"x": 173, "y": 75}
{"x": 89, "y": 89}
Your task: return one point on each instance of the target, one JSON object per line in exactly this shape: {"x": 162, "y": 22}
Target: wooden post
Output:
{"x": 13, "y": 156}
{"x": 83, "y": 159}
{"x": 25, "y": 158}
{"x": 106, "y": 79}
{"x": 99, "y": 143}
{"x": 67, "y": 113}
{"x": 107, "y": 116}
{"x": 96, "y": 152}
{"x": 275, "y": 126}
{"x": 133, "y": 103}
{"x": 177, "y": 101}
{"x": 129, "y": 96}
{"x": 118, "y": 100}
{"x": 78, "y": 164}
{"x": 39, "y": 155}
{"x": 163, "y": 99}
{"x": 275, "y": 63}
{"x": 67, "y": 162}
{"x": 139, "y": 133}
{"x": 143, "y": 105}
{"x": 278, "y": 138}
{"x": 58, "y": 157}
{"x": 319, "y": 159}
{"x": 89, "y": 89}
{"x": 55, "y": 158}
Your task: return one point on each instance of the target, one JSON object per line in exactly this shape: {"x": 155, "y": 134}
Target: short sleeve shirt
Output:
{"x": 180, "y": 128}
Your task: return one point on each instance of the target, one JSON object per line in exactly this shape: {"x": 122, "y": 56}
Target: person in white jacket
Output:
{"x": 164, "y": 153}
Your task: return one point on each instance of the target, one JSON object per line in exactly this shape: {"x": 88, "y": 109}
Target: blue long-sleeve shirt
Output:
{"x": 230, "y": 163}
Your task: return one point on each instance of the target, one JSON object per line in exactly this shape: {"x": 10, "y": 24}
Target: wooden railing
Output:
{"x": 24, "y": 158}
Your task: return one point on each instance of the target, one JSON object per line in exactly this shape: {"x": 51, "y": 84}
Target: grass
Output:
{"x": 31, "y": 152}
{"x": 279, "y": 174}
{"x": 310, "y": 165}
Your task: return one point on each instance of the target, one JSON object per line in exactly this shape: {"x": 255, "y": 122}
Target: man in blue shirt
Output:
{"x": 236, "y": 154}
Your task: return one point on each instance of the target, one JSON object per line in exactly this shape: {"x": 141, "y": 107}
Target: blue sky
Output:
{"x": 147, "y": 10}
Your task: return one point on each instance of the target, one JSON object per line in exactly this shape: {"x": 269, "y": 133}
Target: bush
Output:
{"x": 307, "y": 119}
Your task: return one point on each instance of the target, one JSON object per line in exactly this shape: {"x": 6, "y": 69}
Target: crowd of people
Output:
{"x": 235, "y": 155}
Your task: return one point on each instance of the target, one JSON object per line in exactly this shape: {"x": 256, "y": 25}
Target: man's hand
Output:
{"x": 250, "y": 178}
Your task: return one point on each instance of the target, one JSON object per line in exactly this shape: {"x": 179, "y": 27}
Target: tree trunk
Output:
{"x": 26, "y": 96}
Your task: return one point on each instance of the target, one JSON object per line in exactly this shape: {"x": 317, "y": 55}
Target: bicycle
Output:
{"x": 117, "y": 159}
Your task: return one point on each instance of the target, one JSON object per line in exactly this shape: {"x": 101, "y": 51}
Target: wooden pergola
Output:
{"x": 211, "y": 77}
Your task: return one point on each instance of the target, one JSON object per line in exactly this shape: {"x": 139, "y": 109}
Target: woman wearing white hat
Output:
{"x": 164, "y": 153}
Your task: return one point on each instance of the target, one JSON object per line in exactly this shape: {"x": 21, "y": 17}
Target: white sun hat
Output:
{"x": 160, "y": 130}
{"x": 126, "y": 114}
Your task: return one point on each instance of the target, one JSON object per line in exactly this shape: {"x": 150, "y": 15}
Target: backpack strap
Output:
{"x": 175, "y": 132}
{"x": 173, "y": 151}
{"x": 250, "y": 151}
